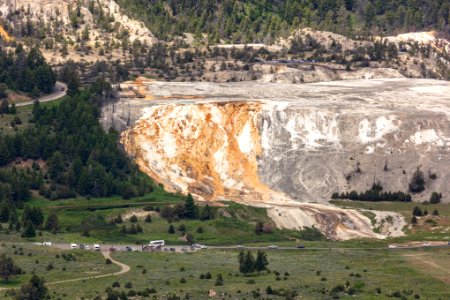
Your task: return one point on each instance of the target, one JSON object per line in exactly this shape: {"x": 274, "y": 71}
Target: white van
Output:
{"x": 157, "y": 243}
{"x": 96, "y": 247}
{"x": 73, "y": 246}
{"x": 47, "y": 244}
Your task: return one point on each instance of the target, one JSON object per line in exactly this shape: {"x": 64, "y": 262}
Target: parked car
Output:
{"x": 47, "y": 244}
{"x": 173, "y": 249}
{"x": 184, "y": 249}
{"x": 73, "y": 246}
{"x": 392, "y": 246}
{"x": 87, "y": 247}
{"x": 204, "y": 247}
{"x": 112, "y": 249}
{"x": 273, "y": 247}
{"x": 96, "y": 247}
{"x": 426, "y": 244}
{"x": 240, "y": 247}
{"x": 301, "y": 246}
{"x": 81, "y": 247}
{"x": 128, "y": 248}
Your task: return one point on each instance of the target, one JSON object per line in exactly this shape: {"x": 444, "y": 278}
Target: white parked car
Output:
{"x": 273, "y": 247}
{"x": 47, "y": 244}
{"x": 392, "y": 246}
{"x": 203, "y": 247}
{"x": 96, "y": 247}
{"x": 87, "y": 247}
{"x": 73, "y": 246}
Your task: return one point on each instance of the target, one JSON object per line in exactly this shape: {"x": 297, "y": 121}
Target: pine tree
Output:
{"x": 190, "y": 207}
{"x": 28, "y": 230}
{"x": 52, "y": 222}
{"x": 261, "y": 262}
{"x": 246, "y": 262}
{"x": 171, "y": 229}
{"x": 207, "y": 213}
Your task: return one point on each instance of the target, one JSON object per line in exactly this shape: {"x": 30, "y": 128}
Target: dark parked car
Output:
{"x": 300, "y": 246}
{"x": 81, "y": 247}
{"x": 127, "y": 248}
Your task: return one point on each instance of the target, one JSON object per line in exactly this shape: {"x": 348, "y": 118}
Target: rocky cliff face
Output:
{"x": 315, "y": 140}
{"x": 285, "y": 144}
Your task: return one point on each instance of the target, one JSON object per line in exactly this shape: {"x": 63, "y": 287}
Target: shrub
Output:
{"x": 251, "y": 281}
{"x": 108, "y": 261}
{"x": 435, "y": 198}
{"x": 115, "y": 284}
{"x": 417, "y": 183}
{"x": 133, "y": 219}
{"x": 183, "y": 280}
{"x": 128, "y": 285}
{"x": 219, "y": 280}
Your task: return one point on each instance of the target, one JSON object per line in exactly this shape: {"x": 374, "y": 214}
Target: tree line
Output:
{"x": 264, "y": 20}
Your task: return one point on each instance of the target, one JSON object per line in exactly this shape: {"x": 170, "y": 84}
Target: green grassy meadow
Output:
{"x": 298, "y": 274}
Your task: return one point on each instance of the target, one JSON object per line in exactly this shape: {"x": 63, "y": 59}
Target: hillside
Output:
{"x": 80, "y": 30}
{"x": 264, "y": 21}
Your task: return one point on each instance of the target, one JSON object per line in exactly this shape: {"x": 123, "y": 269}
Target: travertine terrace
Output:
{"x": 283, "y": 144}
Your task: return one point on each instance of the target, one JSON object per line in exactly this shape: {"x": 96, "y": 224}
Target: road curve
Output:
{"x": 123, "y": 269}
{"x": 59, "y": 91}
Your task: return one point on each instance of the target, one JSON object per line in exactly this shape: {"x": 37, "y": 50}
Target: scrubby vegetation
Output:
{"x": 374, "y": 194}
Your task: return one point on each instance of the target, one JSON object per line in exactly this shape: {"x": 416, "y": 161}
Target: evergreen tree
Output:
{"x": 8, "y": 268}
{"x": 261, "y": 262}
{"x": 28, "y": 231}
{"x": 35, "y": 289}
{"x": 171, "y": 229}
{"x": 219, "y": 280}
{"x": 207, "y": 213}
{"x": 52, "y": 222}
{"x": 246, "y": 262}
{"x": 190, "y": 207}
{"x": 435, "y": 198}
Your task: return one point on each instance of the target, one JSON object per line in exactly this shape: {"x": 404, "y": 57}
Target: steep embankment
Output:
{"x": 298, "y": 142}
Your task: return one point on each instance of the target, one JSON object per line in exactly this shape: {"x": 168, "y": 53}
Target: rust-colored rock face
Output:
{"x": 209, "y": 150}
{"x": 298, "y": 144}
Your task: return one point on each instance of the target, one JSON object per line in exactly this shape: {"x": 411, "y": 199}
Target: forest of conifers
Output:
{"x": 265, "y": 20}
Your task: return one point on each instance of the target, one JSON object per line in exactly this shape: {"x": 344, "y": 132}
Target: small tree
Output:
{"x": 190, "y": 207}
{"x": 261, "y": 262}
{"x": 171, "y": 229}
{"x": 33, "y": 290}
{"x": 435, "y": 212}
{"x": 414, "y": 220}
{"x": 207, "y": 213}
{"x": 417, "y": 211}
{"x": 29, "y": 230}
{"x": 259, "y": 227}
{"x": 219, "y": 280}
{"x": 8, "y": 268}
{"x": 246, "y": 262}
{"x": 190, "y": 238}
{"x": 52, "y": 222}
{"x": 417, "y": 184}
{"x": 148, "y": 219}
{"x": 133, "y": 219}
{"x": 435, "y": 198}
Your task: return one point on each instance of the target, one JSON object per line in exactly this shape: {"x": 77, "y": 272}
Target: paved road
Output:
{"x": 59, "y": 91}
{"x": 184, "y": 248}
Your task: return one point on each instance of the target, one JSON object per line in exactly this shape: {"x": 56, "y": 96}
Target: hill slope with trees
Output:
{"x": 263, "y": 21}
